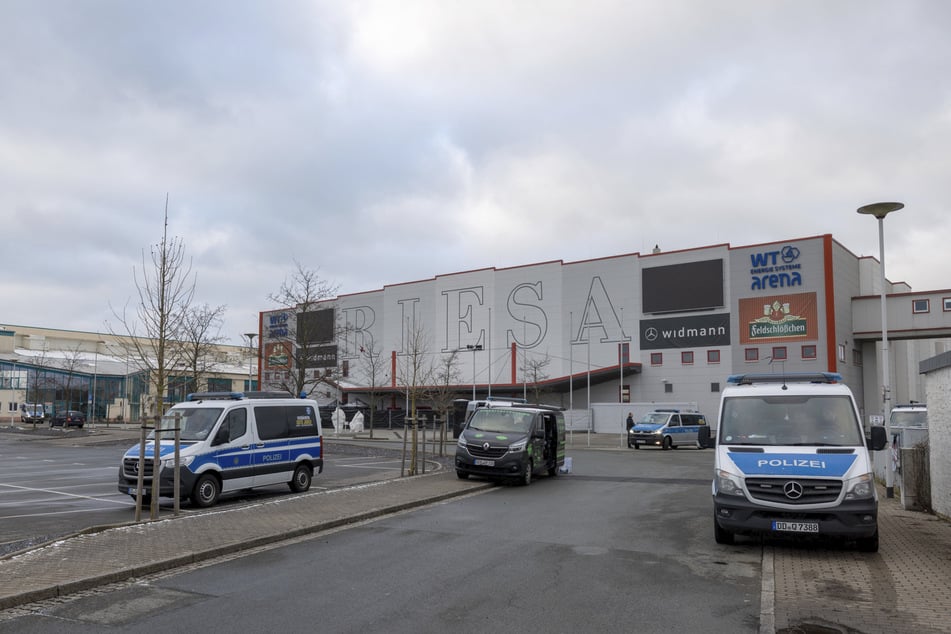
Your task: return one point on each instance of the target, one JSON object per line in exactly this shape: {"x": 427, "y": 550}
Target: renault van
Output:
{"x": 514, "y": 442}
{"x": 229, "y": 441}
{"x": 792, "y": 460}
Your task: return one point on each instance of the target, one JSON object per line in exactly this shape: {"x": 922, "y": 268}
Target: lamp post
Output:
{"x": 250, "y": 336}
{"x": 880, "y": 210}
{"x": 473, "y": 348}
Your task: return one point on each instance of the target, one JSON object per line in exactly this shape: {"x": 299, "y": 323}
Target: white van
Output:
{"x": 667, "y": 428}
{"x": 230, "y": 441}
{"x": 792, "y": 459}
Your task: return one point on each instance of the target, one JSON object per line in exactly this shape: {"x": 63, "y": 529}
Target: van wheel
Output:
{"x": 462, "y": 475}
{"x": 667, "y": 443}
{"x": 206, "y": 491}
{"x": 722, "y": 536}
{"x": 527, "y": 473}
{"x": 868, "y": 544}
{"x": 301, "y": 480}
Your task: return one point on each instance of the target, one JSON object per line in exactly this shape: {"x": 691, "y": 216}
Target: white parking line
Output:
{"x": 63, "y": 494}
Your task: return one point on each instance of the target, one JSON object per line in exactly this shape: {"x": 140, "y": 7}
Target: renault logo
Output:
{"x": 793, "y": 490}
{"x": 485, "y": 446}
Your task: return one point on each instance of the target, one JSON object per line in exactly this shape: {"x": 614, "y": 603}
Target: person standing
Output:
{"x": 630, "y": 421}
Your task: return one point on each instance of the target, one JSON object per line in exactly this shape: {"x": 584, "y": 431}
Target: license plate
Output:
{"x": 485, "y": 463}
{"x": 796, "y": 527}
{"x": 131, "y": 491}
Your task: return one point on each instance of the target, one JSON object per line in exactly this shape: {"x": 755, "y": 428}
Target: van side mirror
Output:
{"x": 704, "y": 439}
{"x": 878, "y": 439}
{"x": 538, "y": 433}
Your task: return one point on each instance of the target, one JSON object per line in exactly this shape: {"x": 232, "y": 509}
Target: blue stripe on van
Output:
{"x": 793, "y": 464}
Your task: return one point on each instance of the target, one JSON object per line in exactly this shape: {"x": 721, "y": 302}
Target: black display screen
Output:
{"x": 680, "y": 287}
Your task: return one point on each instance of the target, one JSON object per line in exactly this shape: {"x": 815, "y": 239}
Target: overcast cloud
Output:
{"x": 384, "y": 142}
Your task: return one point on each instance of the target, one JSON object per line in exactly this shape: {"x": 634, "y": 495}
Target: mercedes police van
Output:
{"x": 512, "y": 441}
{"x": 667, "y": 428}
{"x": 229, "y": 441}
{"x": 792, "y": 459}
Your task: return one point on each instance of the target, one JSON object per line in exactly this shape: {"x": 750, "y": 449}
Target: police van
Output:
{"x": 229, "y": 441}
{"x": 667, "y": 428}
{"x": 792, "y": 459}
{"x": 503, "y": 440}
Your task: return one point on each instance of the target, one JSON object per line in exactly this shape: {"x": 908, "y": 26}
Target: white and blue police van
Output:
{"x": 667, "y": 428}
{"x": 792, "y": 459}
{"x": 229, "y": 441}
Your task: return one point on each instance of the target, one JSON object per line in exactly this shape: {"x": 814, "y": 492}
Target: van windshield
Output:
{"x": 196, "y": 422}
{"x": 501, "y": 421}
{"x": 813, "y": 420}
{"x": 910, "y": 418}
{"x": 654, "y": 418}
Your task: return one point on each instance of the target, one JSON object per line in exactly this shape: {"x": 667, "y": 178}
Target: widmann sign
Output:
{"x": 778, "y": 318}
{"x": 685, "y": 332}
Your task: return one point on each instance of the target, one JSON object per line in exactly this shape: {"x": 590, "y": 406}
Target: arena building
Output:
{"x": 656, "y": 329}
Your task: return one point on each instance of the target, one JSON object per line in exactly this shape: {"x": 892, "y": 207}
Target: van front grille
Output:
{"x": 794, "y": 490}
{"x": 130, "y": 468}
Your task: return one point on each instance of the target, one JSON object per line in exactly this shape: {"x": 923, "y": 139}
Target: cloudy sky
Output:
{"x": 382, "y": 142}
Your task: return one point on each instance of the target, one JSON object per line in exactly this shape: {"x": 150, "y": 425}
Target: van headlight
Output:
{"x": 728, "y": 484}
{"x": 184, "y": 461}
{"x": 518, "y": 447}
{"x": 860, "y": 488}
{"x": 461, "y": 443}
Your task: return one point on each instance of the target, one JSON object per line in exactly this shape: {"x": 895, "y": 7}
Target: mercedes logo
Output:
{"x": 485, "y": 446}
{"x": 651, "y": 334}
{"x": 793, "y": 490}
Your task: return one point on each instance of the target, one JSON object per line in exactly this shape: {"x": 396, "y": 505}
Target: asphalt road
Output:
{"x": 622, "y": 544}
{"x": 51, "y": 490}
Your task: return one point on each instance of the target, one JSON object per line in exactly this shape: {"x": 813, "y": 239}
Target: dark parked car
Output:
{"x": 69, "y": 418}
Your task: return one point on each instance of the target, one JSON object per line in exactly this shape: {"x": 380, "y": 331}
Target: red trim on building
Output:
{"x": 831, "y": 353}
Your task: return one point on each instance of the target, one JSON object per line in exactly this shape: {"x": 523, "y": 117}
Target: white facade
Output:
{"x": 689, "y": 318}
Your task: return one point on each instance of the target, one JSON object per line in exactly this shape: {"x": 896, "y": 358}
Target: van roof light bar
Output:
{"x": 789, "y": 377}
{"x": 233, "y": 396}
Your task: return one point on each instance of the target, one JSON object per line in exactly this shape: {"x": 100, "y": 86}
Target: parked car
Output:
{"x": 68, "y": 418}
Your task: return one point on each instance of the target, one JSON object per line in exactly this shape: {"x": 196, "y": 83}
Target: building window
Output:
{"x": 809, "y": 352}
{"x": 657, "y": 358}
{"x": 779, "y": 353}
{"x": 686, "y": 357}
{"x": 946, "y": 303}
{"x": 856, "y": 356}
{"x": 713, "y": 356}
{"x": 751, "y": 354}
{"x": 714, "y": 387}
{"x": 668, "y": 388}
{"x": 921, "y": 306}
{"x": 841, "y": 352}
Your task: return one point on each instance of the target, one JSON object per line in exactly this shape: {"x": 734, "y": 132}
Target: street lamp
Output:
{"x": 473, "y": 348}
{"x": 880, "y": 210}
{"x": 250, "y": 336}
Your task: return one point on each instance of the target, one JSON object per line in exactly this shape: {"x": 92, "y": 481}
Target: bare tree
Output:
{"x": 165, "y": 288}
{"x": 373, "y": 365}
{"x": 414, "y": 375}
{"x": 446, "y": 377}
{"x": 310, "y": 334}
{"x": 533, "y": 373}
{"x": 70, "y": 366}
{"x": 200, "y": 336}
